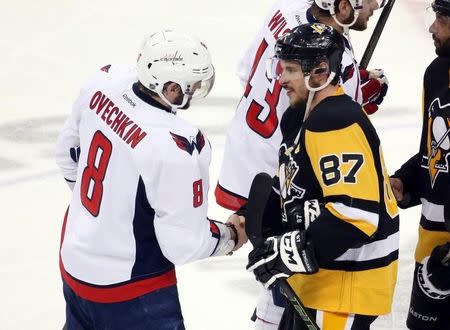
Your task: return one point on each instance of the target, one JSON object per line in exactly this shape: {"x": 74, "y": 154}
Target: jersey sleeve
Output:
{"x": 177, "y": 185}
{"x": 67, "y": 149}
{"x": 244, "y": 66}
{"x": 411, "y": 170}
{"x": 350, "y": 77}
{"x": 408, "y": 173}
{"x": 346, "y": 168}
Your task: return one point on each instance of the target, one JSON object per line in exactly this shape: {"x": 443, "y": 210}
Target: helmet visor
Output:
{"x": 200, "y": 88}
{"x": 432, "y": 14}
{"x": 429, "y": 18}
{"x": 289, "y": 69}
{"x": 273, "y": 68}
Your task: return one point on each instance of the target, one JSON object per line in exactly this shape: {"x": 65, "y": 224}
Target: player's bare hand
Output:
{"x": 239, "y": 223}
{"x": 397, "y": 188}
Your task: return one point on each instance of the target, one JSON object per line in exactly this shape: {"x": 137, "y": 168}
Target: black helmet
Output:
{"x": 311, "y": 44}
{"x": 441, "y": 6}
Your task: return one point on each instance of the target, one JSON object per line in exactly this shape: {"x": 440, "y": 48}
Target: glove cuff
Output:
{"x": 225, "y": 243}
{"x": 295, "y": 255}
{"x": 426, "y": 285}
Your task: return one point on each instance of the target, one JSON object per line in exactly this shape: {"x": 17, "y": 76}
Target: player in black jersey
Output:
{"x": 425, "y": 179}
{"x": 332, "y": 220}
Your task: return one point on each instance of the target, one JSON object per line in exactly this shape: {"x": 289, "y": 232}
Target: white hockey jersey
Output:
{"x": 139, "y": 202}
{"x": 254, "y": 135}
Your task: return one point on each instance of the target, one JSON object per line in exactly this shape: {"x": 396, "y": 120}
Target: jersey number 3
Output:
{"x": 267, "y": 126}
{"x": 91, "y": 191}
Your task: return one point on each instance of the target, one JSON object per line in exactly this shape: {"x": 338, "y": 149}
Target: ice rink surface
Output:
{"x": 47, "y": 50}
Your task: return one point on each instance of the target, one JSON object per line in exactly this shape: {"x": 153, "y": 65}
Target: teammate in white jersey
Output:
{"x": 140, "y": 180}
{"x": 254, "y": 134}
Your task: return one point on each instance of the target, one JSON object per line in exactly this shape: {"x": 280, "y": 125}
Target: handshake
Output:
{"x": 236, "y": 226}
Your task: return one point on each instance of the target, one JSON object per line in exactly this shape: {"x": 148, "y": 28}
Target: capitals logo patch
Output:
{"x": 106, "y": 68}
{"x": 197, "y": 142}
{"x": 438, "y": 140}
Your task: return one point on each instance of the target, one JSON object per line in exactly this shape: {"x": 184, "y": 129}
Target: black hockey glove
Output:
{"x": 434, "y": 274}
{"x": 302, "y": 215}
{"x": 282, "y": 256}
{"x": 438, "y": 267}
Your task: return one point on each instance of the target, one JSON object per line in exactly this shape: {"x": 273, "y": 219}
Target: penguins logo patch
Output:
{"x": 438, "y": 140}
{"x": 287, "y": 171}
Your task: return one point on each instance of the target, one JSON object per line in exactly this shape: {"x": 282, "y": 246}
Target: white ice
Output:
{"x": 48, "y": 48}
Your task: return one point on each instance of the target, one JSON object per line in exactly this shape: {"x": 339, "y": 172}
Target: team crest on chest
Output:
{"x": 287, "y": 172}
{"x": 438, "y": 140}
{"x": 290, "y": 192}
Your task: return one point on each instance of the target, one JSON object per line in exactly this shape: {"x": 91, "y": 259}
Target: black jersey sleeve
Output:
{"x": 408, "y": 173}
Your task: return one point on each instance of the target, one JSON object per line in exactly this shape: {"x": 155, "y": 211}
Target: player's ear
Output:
{"x": 319, "y": 74}
{"x": 344, "y": 8}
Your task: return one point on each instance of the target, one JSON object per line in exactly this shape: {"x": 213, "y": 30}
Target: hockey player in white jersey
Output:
{"x": 140, "y": 180}
{"x": 254, "y": 134}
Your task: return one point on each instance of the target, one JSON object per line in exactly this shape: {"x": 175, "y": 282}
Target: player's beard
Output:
{"x": 442, "y": 47}
{"x": 298, "y": 101}
{"x": 359, "y": 25}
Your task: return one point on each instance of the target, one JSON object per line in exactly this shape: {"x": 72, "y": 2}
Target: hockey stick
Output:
{"x": 257, "y": 199}
{"x": 376, "y": 34}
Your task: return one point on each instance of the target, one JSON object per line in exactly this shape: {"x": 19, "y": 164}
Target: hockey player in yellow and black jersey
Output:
{"x": 425, "y": 179}
{"x": 335, "y": 236}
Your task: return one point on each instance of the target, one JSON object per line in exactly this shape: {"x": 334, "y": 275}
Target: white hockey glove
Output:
{"x": 226, "y": 235}
{"x": 434, "y": 274}
{"x": 282, "y": 256}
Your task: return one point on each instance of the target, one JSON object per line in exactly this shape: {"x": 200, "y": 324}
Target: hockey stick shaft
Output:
{"x": 257, "y": 199}
{"x": 372, "y": 44}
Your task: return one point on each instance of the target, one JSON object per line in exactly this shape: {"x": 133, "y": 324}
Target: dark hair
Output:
{"x": 441, "y": 6}
{"x": 149, "y": 91}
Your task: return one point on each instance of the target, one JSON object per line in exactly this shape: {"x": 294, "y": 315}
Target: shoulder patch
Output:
{"x": 189, "y": 145}
{"x": 106, "y": 68}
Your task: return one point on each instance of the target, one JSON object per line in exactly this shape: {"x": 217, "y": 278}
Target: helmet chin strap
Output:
{"x": 316, "y": 89}
{"x": 174, "y": 107}
{"x": 312, "y": 92}
{"x": 345, "y": 26}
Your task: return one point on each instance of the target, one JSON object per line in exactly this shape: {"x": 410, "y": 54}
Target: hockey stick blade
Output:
{"x": 257, "y": 199}
{"x": 372, "y": 44}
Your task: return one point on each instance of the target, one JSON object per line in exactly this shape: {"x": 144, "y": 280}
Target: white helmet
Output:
{"x": 329, "y": 5}
{"x": 169, "y": 56}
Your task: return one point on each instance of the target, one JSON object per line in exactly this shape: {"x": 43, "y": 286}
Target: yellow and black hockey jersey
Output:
{"x": 338, "y": 160}
{"x": 426, "y": 177}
